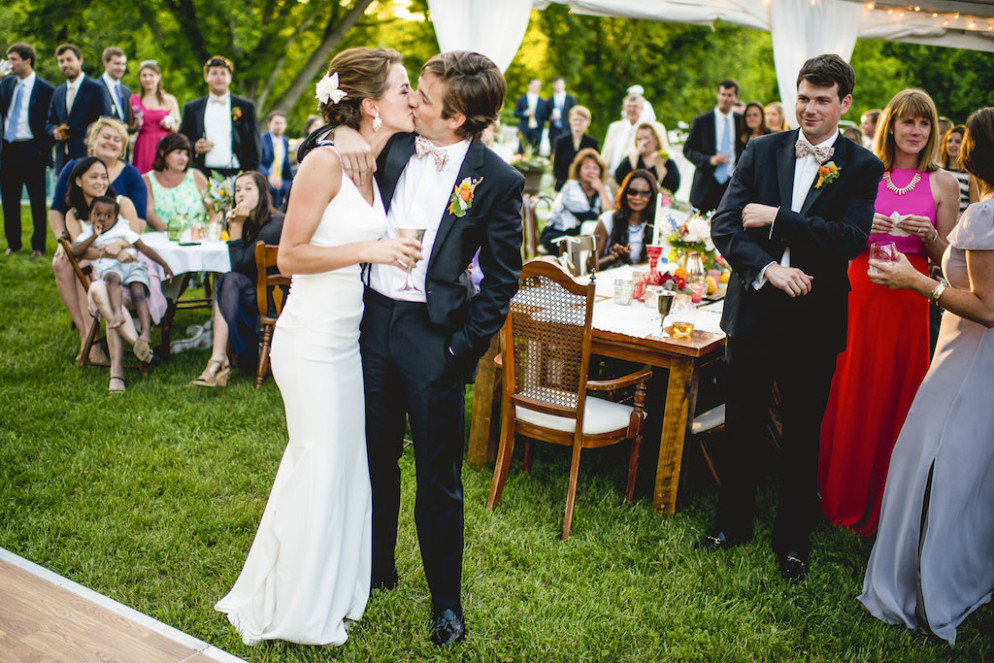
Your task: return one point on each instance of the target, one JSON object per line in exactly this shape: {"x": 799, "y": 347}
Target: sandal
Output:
{"x": 142, "y": 350}
{"x": 110, "y": 387}
{"x": 216, "y": 378}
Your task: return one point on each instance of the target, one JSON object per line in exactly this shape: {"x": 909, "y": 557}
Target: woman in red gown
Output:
{"x": 887, "y": 349}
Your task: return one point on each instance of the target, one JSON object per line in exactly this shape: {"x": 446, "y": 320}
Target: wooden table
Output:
{"x": 683, "y": 357}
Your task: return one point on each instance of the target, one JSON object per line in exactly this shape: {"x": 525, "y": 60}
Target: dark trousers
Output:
{"x": 409, "y": 374}
{"x": 236, "y": 300}
{"x": 23, "y": 165}
{"x": 803, "y": 372}
{"x": 713, "y": 195}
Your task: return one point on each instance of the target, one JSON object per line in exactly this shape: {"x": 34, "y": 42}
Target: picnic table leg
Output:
{"x": 480, "y": 452}
{"x": 681, "y": 399}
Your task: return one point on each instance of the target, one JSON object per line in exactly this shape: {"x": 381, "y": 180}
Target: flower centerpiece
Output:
{"x": 220, "y": 191}
{"x": 692, "y": 237}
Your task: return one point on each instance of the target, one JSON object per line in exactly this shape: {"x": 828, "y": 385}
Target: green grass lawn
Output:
{"x": 153, "y": 498}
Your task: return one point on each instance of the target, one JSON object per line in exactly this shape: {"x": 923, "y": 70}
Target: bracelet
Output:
{"x": 935, "y": 235}
{"x": 937, "y": 291}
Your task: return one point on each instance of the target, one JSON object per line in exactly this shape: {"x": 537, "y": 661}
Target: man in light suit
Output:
{"x": 620, "y": 138}
{"x": 713, "y": 147}
{"x": 789, "y": 230}
{"x": 222, "y": 127}
{"x": 76, "y": 104}
{"x": 26, "y": 150}
{"x": 532, "y": 112}
{"x": 115, "y": 66}
{"x": 275, "y": 164}
{"x": 559, "y": 105}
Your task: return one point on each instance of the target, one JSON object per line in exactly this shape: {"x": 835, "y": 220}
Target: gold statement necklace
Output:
{"x": 905, "y": 189}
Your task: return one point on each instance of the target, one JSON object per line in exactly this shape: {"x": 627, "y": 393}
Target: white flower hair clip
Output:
{"x": 328, "y": 90}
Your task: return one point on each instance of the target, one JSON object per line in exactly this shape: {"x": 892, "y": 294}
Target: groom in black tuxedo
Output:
{"x": 420, "y": 347}
{"x": 798, "y": 209}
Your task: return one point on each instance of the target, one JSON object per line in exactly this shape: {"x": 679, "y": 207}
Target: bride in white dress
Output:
{"x": 309, "y": 567}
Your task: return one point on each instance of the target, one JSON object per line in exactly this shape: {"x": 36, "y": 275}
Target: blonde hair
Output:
{"x": 362, "y": 74}
{"x": 649, "y": 126}
{"x": 583, "y": 155}
{"x": 582, "y": 111}
{"x": 914, "y": 104}
{"x": 114, "y": 125}
{"x": 778, "y": 107}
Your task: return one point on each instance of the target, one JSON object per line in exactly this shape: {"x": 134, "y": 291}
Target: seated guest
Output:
{"x": 106, "y": 140}
{"x": 624, "y": 232}
{"x": 175, "y": 189}
{"x": 753, "y": 123}
{"x": 236, "y": 312}
{"x": 275, "y": 164}
{"x": 776, "y": 120}
{"x": 648, "y": 155}
{"x": 931, "y": 563}
{"x": 951, "y": 143}
{"x": 583, "y": 198}
{"x": 568, "y": 144}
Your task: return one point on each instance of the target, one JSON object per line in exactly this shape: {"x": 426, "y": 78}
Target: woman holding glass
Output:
{"x": 649, "y": 154}
{"x": 156, "y": 114}
{"x": 931, "y": 563}
{"x": 626, "y": 231}
{"x": 887, "y": 349}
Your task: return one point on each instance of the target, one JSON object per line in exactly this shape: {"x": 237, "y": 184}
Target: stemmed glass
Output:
{"x": 418, "y": 234}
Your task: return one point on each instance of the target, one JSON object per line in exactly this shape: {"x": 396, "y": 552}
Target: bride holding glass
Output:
{"x": 308, "y": 571}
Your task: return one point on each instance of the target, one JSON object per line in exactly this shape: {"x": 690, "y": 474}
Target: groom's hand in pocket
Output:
{"x": 355, "y": 153}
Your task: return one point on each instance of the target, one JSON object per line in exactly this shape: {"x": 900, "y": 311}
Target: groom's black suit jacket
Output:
{"x": 492, "y": 224}
{"x": 830, "y": 230}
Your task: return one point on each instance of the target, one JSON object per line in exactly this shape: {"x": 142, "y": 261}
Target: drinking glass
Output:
{"x": 886, "y": 251}
{"x": 664, "y": 304}
{"x": 623, "y": 292}
{"x": 418, "y": 234}
{"x": 683, "y": 315}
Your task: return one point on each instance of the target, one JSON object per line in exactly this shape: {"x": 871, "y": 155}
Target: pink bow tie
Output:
{"x": 803, "y": 148}
{"x": 423, "y": 146}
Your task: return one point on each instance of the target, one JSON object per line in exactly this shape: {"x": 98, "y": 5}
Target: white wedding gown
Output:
{"x": 309, "y": 567}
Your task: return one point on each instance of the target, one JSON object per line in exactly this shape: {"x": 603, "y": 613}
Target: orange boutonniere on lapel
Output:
{"x": 236, "y": 114}
{"x": 827, "y": 173}
{"x": 462, "y": 196}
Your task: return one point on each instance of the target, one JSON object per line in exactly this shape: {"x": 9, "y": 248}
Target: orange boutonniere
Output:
{"x": 236, "y": 114}
{"x": 462, "y": 196}
{"x": 827, "y": 173}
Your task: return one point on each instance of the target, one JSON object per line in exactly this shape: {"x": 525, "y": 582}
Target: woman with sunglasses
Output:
{"x": 625, "y": 231}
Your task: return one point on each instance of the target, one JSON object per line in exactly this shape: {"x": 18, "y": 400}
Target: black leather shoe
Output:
{"x": 448, "y": 628}
{"x": 793, "y": 567}
{"x": 718, "y": 540}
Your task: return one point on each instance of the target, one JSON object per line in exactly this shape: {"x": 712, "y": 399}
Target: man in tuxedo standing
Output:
{"x": 713, "y": 147}
{"x": 76, "y": 104}
{"x": 620, "y": 138}
{"x": 25, "y": 152}
{"x": 275, "y": 164}
{"x": 532, "y": 111}
{"x": 221, "y": 127}
{"x": 115, "y": 66}
{"x": 559, "y": 105}
{"x": 420, "y": 347}
{"x": 798, "y": 209}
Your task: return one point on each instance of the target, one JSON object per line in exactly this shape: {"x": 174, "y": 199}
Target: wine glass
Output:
{"x": 886, "y": 251}
{"x": 684, "y": 315}
{"x": 418, "y": 234}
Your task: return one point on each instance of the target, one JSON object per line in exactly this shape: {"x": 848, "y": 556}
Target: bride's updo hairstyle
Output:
{"x": 362, "y": 74}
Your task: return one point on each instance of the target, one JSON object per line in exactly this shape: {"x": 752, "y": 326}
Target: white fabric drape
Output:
{"x": 494, "y": 29}
{"x": 803, "y": 29}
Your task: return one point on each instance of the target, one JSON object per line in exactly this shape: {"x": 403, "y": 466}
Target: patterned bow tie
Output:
{"x": 803, "y": 148}
{"x": 217, "y": 100}
{"x": 423, "y": 146}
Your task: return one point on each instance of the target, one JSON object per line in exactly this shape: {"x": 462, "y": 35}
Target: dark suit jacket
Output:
{"x": 492, "y": 224}
{"x": 245, "y": 141}
{"x": 563, "y": 155}
{"x": 568, "y": 102}
{"x": 125, "y": 103}
{"x": 92, "y": 101}
{"x": 41, "y": 98}
{"x": 541, "y": 117}
{"x": 829, "y": 231}
{"x": 701, "y": 145}
{"x": 265, "y": 166}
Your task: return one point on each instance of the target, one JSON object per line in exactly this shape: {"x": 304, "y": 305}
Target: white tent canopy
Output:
{"x": 801, "y": 28}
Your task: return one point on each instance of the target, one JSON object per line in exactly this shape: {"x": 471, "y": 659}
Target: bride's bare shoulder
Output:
{"x": 321, "y": 170}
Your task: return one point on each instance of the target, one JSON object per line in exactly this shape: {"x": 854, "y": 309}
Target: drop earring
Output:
{"x": 377, "y": 122}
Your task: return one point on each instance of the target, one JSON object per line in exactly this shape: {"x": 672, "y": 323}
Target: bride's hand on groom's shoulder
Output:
{"x": 403, "y": 252}
{"x": 355, "y": 153}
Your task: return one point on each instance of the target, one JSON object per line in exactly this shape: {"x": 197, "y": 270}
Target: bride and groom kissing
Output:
{"x": 358, "y": 352}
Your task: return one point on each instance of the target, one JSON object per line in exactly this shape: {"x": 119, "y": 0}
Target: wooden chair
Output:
{"x": 93, "y": 336}
{"x": 265, "y": 258}
{"x": 529, "y": 205}
{"x": 546, "y": 341}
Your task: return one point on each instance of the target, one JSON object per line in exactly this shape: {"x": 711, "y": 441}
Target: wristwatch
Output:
{"x": 937, "y": 291}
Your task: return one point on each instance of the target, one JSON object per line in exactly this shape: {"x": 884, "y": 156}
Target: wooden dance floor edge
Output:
{"x": 45, "y": 617}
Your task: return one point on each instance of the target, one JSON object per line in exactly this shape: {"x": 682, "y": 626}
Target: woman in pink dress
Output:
{"x": 156, "y": 114}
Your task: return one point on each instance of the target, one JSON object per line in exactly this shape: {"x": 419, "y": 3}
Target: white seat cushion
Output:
{"x": 600, "y": 416}
{"x": 707, "y": 420}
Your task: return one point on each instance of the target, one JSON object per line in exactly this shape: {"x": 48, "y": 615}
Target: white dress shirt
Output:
{"x": 25, "y": 85}
{"x": 722, "y": 122}
{"x": 558, "y": 102}
{"x": 620, "y": 140}
{"x": 805, "y": 170}
{"x": 217, "y": 129}
{"x": 419, "y": 201}
{"x": 114, "y": 87}
{"x": 532, "y": 106}
{"x": 72, "y": 89}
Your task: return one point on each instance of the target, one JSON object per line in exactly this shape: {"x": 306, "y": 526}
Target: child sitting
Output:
{"x": 119, "y": 265}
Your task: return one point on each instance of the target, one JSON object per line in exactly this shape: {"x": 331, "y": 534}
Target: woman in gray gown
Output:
{"x": 931, "y": 564}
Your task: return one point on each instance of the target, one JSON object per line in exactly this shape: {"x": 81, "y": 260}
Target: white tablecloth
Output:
{"x": 207, "y": 256}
